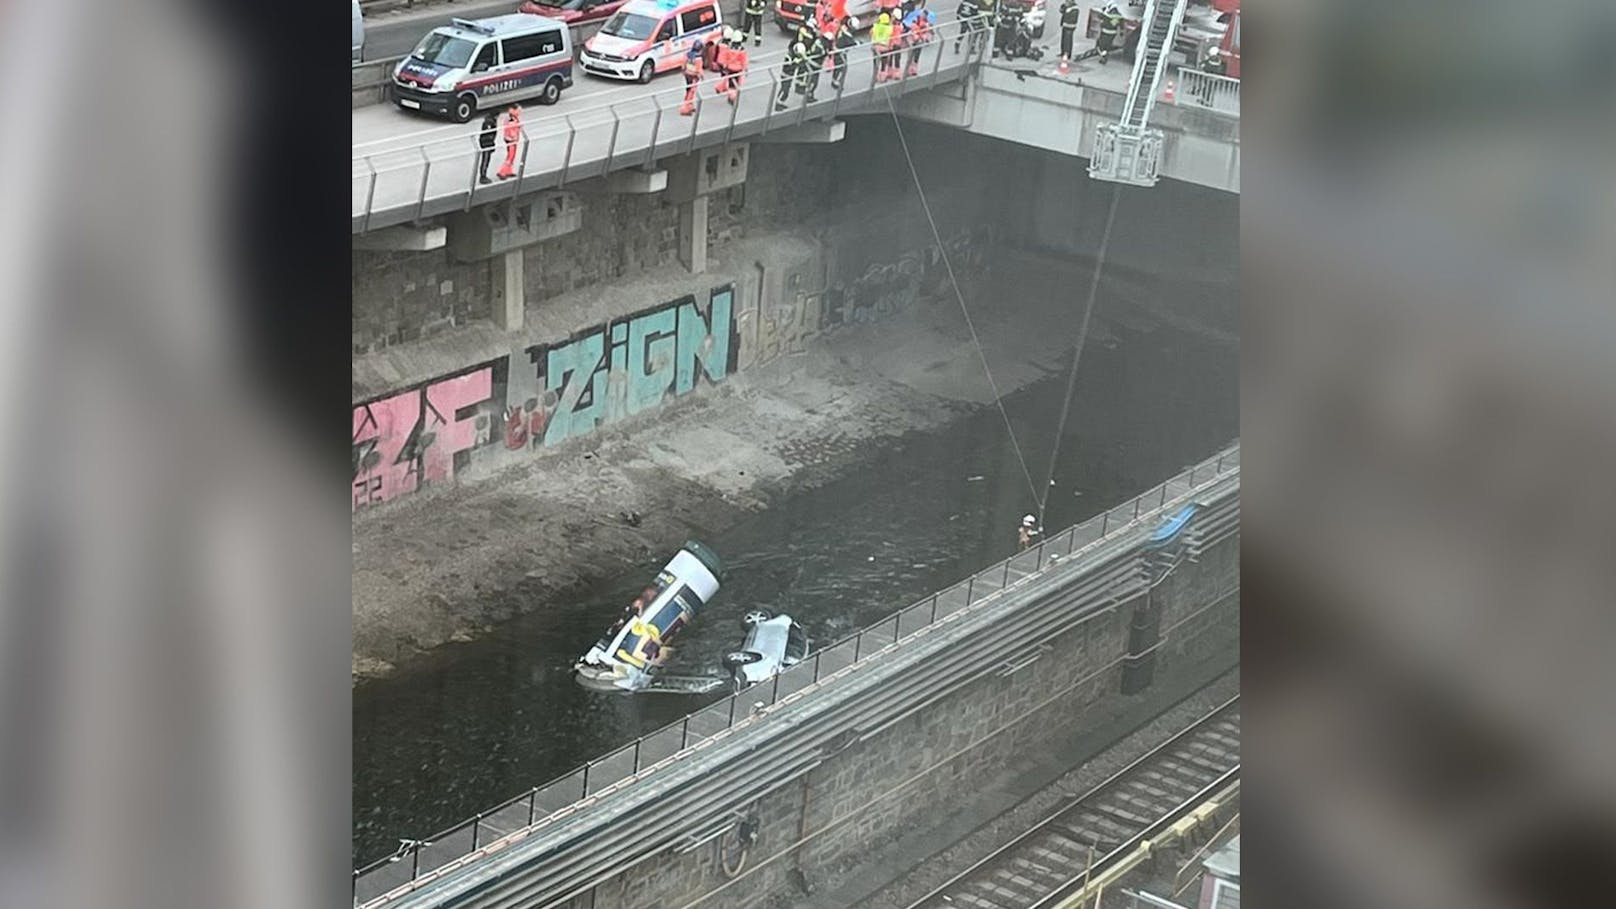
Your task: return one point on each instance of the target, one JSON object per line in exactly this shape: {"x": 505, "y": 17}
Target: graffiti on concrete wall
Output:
{"x": 542, "y": 395}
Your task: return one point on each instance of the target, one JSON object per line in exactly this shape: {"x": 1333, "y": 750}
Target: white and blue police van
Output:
{"x": 478, "y": 64}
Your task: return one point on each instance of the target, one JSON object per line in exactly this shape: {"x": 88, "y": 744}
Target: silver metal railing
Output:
{"x": 1208, "y": 91}
{"x": 418, "y": 857}
{"x": 434, "y": 170}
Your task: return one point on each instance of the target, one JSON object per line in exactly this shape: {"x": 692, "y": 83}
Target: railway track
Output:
{"x": 1080, "y": 841}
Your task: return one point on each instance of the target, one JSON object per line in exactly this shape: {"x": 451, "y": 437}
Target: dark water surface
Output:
{"x": 491, "y": 719}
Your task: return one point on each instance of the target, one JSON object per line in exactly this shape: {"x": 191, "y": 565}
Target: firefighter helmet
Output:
{"x": 1028, "y": 521}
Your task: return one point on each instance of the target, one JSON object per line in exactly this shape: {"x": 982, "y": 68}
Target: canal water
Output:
{"x": 493, "y": 718}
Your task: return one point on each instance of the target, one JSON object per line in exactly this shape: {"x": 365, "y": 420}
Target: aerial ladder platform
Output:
{"x": 1129, "y": 150}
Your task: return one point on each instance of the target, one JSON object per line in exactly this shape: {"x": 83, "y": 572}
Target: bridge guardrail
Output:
{"x": 1208, "y": 91}
{"x": 417, "y": 857}
{"x": 402, "y": 173}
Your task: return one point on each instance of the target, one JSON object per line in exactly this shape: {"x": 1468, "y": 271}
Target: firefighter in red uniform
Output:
{"x": 738, "y": 62}
{"x": 692, "y": 71}
{"x": 513, "y": 136}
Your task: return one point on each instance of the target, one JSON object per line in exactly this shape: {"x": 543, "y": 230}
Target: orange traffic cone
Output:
{"x": 1169, "y": 93}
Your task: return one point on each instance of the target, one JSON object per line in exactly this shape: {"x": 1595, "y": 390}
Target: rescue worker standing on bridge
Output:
{"x": 1110, "y": 31}
{"x": 987, "y": 19}
{"x": 752, "y": 20}
{"x": 842, "y": 41}
{"x": 692, "y": 71}
{"x": 513, "y": 137}
{"x": 966, "y": 16}
{"x": 794, "y": 70}
{"x": 486, "y": 137}
{"x": 816, "y": 63}
{"x": 919, "y": 24}
{"x": 1070, "y": 13}
{"x": 881, "y": 45}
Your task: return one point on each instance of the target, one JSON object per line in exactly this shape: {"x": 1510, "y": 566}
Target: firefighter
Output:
{"x": 881, "y": 44}
{"x": 752, "y": 21}
{"x": 1214, "y": 65}
{"x": 919, "y": 25}
{"x": 692, "y": 70}
{"x": 485, "y": 144}
{"x": 512, "y": 136}
{"x": 721, "y": 62}
{"x": 1070, "y": 13}
{"x": 1110, "y": 30}
{"x": 966, "y": 14}
{"x": 805, "y": 32}
{"x": 792, "y": 71}
{"x": 841, "y": 42}
{"x": 1027, "y": 532}
{"x": 809, "y": 81}
{"x": 987, "y": 19}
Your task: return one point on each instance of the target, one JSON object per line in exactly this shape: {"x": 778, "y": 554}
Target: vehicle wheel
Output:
{"x": 464, "y": 107}
{"x": 552, "y": 91}
{"x": 755, "y": 616}
{"x": 647, "y": 70}
{"x": 737, "y": 658}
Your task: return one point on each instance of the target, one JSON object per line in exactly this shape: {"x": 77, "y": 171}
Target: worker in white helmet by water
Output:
{"x": 1028, "y": 531}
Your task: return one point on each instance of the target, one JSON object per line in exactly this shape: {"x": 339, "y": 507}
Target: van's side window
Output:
{"x": 699, "y": 17}
{"x": 524, "y": 47}
{"x": 665, "y": 33}
{"x": 485, "y": 58}
{"x": 549, "y": 42}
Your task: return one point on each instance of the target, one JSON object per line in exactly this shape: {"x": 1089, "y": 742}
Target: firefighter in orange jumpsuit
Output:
{"x": 692, "y": 72}
{"x": 512, "y": 135}
{"x": 737, "y": 64}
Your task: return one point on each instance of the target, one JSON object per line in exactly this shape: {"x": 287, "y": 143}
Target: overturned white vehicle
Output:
{"x": 626, "y": 658}
{"x": 773, "y": 644}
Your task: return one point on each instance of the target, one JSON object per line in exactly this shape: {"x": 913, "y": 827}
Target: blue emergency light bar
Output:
{"x": 472, "y": 25}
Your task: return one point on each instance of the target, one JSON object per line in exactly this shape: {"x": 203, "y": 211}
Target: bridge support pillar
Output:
{"x": 693, "y": 234}
{"x": 510, "y": 300}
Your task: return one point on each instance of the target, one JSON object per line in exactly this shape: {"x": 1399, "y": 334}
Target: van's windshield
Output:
{"x": 630, "y": 25}
{"x": 445, "y": 50}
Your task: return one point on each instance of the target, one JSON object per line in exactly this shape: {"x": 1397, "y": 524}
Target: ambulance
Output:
{"x": 646, "y": 37}
{"x": 628, "y": 656}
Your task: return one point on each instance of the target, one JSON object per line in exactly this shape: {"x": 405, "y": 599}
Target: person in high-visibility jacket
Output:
{"x": 894, "y": 62}
{"x": 881, "y": 45}
{"x": 1110, "y": 29}
{"x": 692, "y": 70}
{"x": 512, "y": 134}
{"x": 919, "y": 25}
{"x": 732, "y": 60}
{"x": 752, "y": 20}
{"x": 793, "y": 72}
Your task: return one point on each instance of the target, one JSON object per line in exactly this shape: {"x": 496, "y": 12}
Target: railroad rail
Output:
{"x": 1082, "y": 841}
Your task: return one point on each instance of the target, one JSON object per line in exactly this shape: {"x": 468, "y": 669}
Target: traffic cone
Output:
{"x": 1169, "y": 93}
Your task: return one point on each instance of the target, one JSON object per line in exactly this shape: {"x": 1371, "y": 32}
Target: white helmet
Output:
{"x": 1214, "y": 52}
{"x": 1029, "y": 521}
{"x": 853, "y": 23}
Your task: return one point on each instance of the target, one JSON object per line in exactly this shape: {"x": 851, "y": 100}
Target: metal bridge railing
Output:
{"x": 1209, "y": 91}
{"x": 562, "y": 796}
{"x": 402, "y": 174}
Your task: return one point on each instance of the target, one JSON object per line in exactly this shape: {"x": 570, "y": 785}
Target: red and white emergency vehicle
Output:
{"x": 646, "y": 37}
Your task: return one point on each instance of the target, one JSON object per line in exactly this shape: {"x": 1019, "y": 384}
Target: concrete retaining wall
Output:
{"x": 835, "y": 818}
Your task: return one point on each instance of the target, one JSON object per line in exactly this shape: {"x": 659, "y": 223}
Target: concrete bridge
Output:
{"x": 804, "y": 774}
{"x": 405, "y": 172}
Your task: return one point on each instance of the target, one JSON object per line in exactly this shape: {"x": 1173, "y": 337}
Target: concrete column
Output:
{"x": 693, "y": 234}
{"x": 510, "y": 302}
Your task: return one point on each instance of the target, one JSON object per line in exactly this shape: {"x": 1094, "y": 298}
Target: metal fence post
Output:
{"x": 684, "y": 733}
{"x": 566, "y": 160}
{"x": 586, "y": 781}
{"x": 774, "y": 92}
{"x": 933, "y": 618}
{"x": 637, "y": 753}
{"x": 532, "y": 806}
{"x": 774, "y": 694}
{"x": 420, "y": 202}
{"x": 816, "y": 665}
{"x": 1105, "y": 524}
{"x": 1163, "y": 502}
{"x": 476, "y": 828}
{"x": 858, "y": 645}
{"x": 656, "y": 128}
{"x": 415, "y": 860}
{"x": 1005, "y": 581}
{"x": 521, "y": 168}
{"x": 695, "y": 122}
{"x": 370, "y": 194}
{"x": 611, "y": 145}
{"x": 732, "y": 699}
{"x": 970, "y": 588}
{"x": 1219, "y": 468}
{"x": 1136, "y": 500}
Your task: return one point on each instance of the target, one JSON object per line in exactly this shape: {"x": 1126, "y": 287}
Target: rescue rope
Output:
{"x": 976, "y": 340}
{"x": 1077, "y": 354}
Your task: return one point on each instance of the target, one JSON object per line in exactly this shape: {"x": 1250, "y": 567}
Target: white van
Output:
{"x": 358, "y": 32}
{"x": 477, "y": 64}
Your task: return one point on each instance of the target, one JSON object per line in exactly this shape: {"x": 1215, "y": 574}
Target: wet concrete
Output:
{"x": 480, "y": 722}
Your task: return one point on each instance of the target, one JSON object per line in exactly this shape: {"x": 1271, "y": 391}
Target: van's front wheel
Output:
{"x": 464, "y": 107}
{"x": 647, "y": 70}
{"x": 552, "y": 91}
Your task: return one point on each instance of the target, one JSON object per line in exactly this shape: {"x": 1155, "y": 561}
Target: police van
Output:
{"x": 477, "y": 64}
{"x": 646, "y": 37}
